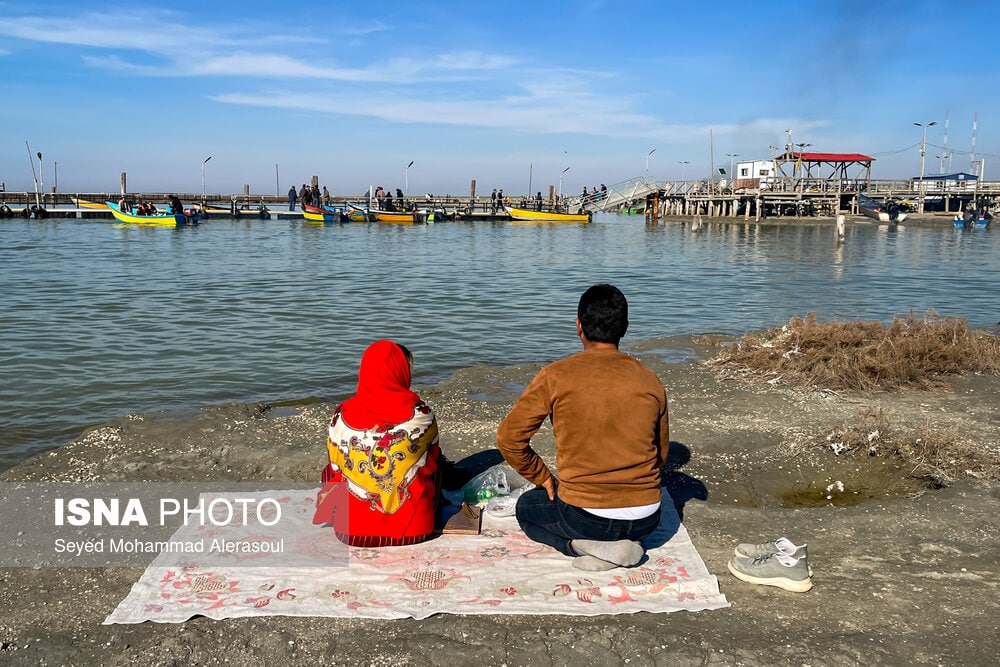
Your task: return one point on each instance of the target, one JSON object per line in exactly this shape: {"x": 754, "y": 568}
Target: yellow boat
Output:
{"x": 164, "y": 220}
{"x": 398, "y": 217}
{"x": 321, "y": 217}
{"x": 83, "y": 203}
{"x": 526, "y": 215}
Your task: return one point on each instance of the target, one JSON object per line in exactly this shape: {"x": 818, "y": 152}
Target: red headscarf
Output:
{"x": 383, "y": 396}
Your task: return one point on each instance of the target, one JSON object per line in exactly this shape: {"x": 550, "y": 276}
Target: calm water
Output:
{"x": 99, "y": 320}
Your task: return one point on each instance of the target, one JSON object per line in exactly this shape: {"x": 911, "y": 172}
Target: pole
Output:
{"x": 277, "y": 183}
{"x": 711, "y": 161}
{"x": 531, "y": 166}
{"x": 923, "y": 151}
{"x": 406, "y": 179}
{"x": 41, "y": 173}
{"x": 683, "y": 164}
{"x": 56, "y": 164}
{"x": 647, "y": 161}
{"x": 560, "y": 180}
{"x": 31, "y": 161}
{"x": 203, "y": 179}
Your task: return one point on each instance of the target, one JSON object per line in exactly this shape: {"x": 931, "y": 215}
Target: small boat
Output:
{"x": 83, "y": 203}
{"x": 881, "y": 211}
{"x": 394, "y": 217}
{"x": 973, "y": 219}
{"x": 526, "y": 215}
{"x": 164, "y": 220}
{"x": 326, "y": 217}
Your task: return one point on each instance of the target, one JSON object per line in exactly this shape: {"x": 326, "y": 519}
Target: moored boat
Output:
{"x": 326, "y": 217}
{"x": 527, "y": 215}
{"x": 83, "y": 203}
{"x": 163, "y": 220}
{"x": 887, "y": 211}
{"x": 971, "y": 220}
{"x": 394, "y": 217}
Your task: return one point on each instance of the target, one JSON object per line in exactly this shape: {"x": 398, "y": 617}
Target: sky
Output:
{"x": 515, "y": 95}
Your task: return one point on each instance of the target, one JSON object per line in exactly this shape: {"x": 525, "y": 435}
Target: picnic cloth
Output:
{"x": 499, "y": 571}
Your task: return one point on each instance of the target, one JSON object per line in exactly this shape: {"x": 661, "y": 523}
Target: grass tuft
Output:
{"x": 938, "y": 456}
{"x": 911, "y": 352}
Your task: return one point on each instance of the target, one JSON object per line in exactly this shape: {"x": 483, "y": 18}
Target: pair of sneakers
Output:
{"x": 776, "y": 563}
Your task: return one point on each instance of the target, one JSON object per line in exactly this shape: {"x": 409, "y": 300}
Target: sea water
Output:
{"x": 98, "y": 319}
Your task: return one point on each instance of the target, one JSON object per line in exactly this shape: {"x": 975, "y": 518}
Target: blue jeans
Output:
{"x": 555, "y": 523}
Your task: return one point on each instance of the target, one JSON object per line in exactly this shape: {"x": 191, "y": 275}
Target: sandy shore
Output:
{"x": 903, "y": 574}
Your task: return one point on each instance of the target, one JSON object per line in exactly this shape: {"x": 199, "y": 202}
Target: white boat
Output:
{"x": 887, "y": 211}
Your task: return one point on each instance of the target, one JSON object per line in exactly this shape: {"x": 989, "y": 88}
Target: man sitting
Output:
{"x": 609, "y": 416}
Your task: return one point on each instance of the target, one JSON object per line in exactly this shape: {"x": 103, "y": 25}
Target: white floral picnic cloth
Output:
{"x": 499, "y": 571}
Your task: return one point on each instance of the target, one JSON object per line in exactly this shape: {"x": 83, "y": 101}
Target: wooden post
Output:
{"x": 124, "y": 188}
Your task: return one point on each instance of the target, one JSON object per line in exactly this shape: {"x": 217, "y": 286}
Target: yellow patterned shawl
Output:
{"x": 380, "y": 463}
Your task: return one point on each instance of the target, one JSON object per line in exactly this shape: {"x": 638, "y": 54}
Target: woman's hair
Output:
{"x": 603, "y": 314}
{"x": 406, "y": 352}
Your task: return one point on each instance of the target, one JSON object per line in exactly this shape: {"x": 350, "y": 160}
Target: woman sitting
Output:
{"x": 383, "y": 444}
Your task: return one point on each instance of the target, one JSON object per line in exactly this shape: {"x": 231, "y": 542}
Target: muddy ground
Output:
{"x": 903, "y": 573}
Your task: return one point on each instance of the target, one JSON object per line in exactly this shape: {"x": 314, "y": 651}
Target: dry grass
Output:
{"x": 864, "y": 356}
{"x": 938, "y": 456}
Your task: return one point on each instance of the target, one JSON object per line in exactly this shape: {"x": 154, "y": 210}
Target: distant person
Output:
{"x": 609, "y": 416}
{"x": 315, "y": 196}
{"x": 326, "y": 196}
{"x": 493, "y": 202}
{"x": 538, "y": 201}
{"x": 893, "y": 208}
{"x": 304, "y": 196}
{"x": 292, "y": 196}
{"x": 175, "y": 205}
{"x": 400, "y": 204}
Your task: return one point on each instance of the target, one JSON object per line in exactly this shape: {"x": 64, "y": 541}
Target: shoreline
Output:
{"x": 906, "y": 576}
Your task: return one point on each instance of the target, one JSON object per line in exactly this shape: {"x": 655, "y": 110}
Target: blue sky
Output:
{"x": 497, "y": 92}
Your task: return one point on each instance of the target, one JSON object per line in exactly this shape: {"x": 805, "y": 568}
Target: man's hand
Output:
{"x": 550, "y": 487}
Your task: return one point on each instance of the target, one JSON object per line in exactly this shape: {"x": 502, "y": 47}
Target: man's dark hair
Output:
{"x": 603, "y": 314}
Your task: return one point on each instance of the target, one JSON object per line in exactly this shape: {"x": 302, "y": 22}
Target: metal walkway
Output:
{"x": 631, "y": 191}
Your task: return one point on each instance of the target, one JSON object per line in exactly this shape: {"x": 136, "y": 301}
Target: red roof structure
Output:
{"x": 812, "y": 169}
{"x": 832, "y": 157}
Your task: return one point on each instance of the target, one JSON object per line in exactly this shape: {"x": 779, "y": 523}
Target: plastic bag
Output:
{"x": 505, "y": 505}
{"x": 498, "y": 483}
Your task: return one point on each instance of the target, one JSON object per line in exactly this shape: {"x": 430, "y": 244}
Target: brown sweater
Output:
{"x": 609, "y": 417}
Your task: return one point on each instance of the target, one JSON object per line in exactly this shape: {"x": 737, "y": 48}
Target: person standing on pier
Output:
{"x": 292, "y": 196}
{"x": 304, "y": 195}
{"x": 326, "y": 196}
{"x": 538, "y": 201}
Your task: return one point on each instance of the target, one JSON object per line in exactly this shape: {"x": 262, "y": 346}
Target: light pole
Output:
{"x": 802, "y": 148}
{"x": 277, "y": 182}
{"x": 41, "y": 173}
{"x": 647, "y": 161}
{"x": 560, "y": 180}
{"x": 683, "y": 163}
{"x": 406, "y": 179}
{"x": 732, "y": 162}
{"x": 56, "y": 186}
{"x": 923, "y": 151}
{"x": 203, "y": 179}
